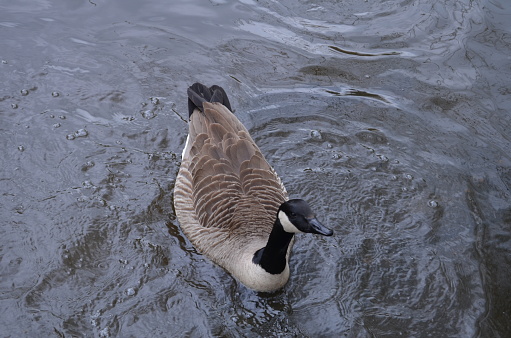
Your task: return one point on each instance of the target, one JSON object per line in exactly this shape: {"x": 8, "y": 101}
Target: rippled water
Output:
{"x": 391, "y": 118}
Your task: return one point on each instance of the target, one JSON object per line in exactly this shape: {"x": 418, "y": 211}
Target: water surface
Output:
{"x": 390, "y": 118}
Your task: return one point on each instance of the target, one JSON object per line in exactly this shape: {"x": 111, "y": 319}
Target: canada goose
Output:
{"x": 230, "y": 202}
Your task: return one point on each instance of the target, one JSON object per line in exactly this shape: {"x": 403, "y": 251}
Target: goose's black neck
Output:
{"x": 272, "y": 258}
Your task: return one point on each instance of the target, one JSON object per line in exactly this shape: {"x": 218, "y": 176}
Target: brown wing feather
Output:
{"x": 231, "y": 181}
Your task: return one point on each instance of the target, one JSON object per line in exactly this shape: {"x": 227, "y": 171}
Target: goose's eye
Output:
{"x": 293, "y": 214}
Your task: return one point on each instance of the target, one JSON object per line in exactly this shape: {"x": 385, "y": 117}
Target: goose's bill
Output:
{"x": 318, "y": 228}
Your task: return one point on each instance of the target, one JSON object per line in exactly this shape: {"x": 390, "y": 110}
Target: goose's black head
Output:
{"x": 296, "y": 216}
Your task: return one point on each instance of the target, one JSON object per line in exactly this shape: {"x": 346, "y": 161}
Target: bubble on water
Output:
{"x": 94, "y": 318}
{"x": 21, "y": 148}
{"x": 87, "y": 165}
{"x": 14, "y": 106}
{"x": 155, "y": 100}
{"x": 20, "y": 209}
{"x": 24, "y": 92}
{"x": 148, "y": 114}
{"x": 393, "y": 178}
{"x": 433, "y": 204}
{"x": 104, "y": 333}
{"x": 62, "y": 117}
{"x": 4, "y": 62}
{"x": 81, "y": 133}
{"x": 55, "y": 94}
{"x": 408, "y": 176}
{"x": 336, "y": 156}
{"x": 52, "y": 116}
{"x": 87, "y": 184}
{"x": 383, "y": 158}
{"x": 316, "y": 134}
{"x": 56, "y": 125}
{"x": 130, "y": 291}
{"x": 329, "y": 146}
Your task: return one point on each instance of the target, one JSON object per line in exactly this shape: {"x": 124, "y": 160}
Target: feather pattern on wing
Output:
{"x": 226, "y": 195}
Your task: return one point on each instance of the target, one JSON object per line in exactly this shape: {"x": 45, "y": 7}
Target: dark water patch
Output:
{"x": 328, "y": 71}
{"x": 360, "y": 93}
{"x": 344, "y": 51}
{"x": 492, "y": 248}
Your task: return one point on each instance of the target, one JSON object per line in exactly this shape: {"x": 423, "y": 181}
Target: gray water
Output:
{"x": 392, "y": 118}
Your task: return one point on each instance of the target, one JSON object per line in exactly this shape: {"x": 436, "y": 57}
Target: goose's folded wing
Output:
{"x": 230, "y": 177}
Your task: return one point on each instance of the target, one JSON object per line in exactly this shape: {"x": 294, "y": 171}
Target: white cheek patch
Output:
{"x": 286, "y": 223}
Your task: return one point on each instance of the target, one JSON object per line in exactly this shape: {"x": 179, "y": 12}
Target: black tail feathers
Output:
{"x": 199, "y": 93}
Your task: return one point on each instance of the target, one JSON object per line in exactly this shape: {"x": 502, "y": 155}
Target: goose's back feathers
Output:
{"x": 226, "y": 194}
